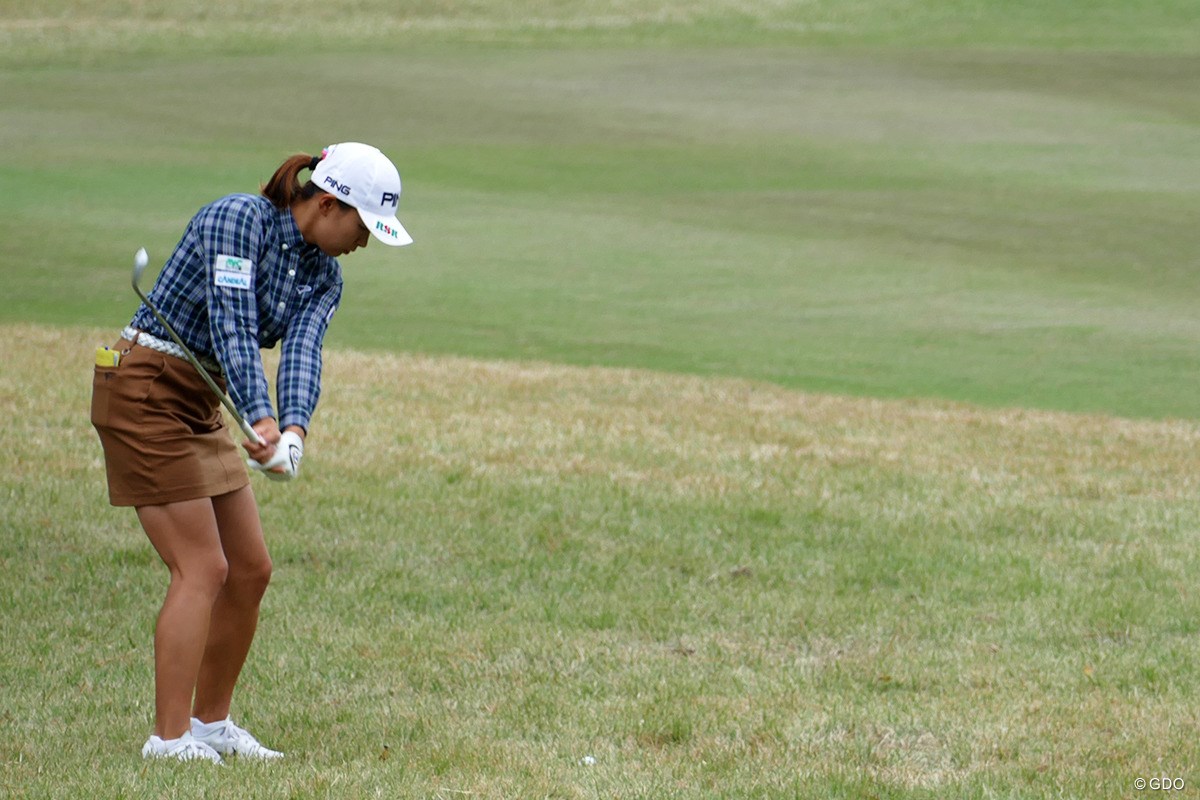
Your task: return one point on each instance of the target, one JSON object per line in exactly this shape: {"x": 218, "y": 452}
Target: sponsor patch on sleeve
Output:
{"x": 232, "y": 272}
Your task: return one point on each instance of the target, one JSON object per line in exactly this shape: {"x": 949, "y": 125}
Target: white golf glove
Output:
{"x": 288, "y": 452}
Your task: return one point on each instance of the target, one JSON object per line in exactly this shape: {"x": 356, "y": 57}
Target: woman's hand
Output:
{"x": 280, "y": 465}
{"x": 268, "y": 429}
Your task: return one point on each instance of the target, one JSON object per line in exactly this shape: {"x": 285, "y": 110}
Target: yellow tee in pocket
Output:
{"x": 106, "y": 357}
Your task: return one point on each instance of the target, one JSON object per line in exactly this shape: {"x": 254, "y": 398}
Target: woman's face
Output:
{"x": 337, "y": 230}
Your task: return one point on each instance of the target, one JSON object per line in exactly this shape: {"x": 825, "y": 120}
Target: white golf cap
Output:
{"x": 361, "y": 176}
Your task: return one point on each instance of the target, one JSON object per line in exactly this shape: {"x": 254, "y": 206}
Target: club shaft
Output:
{"x": 251, "y": 434}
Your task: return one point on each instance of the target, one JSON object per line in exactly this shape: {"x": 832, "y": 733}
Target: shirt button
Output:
{"x": 282, "y": 306}
{"x": 285, "y": 247}
{"x": 291, "y": 272}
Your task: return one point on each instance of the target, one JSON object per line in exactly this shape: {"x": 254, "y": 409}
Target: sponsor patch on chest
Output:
{"x": 232, "y": 272}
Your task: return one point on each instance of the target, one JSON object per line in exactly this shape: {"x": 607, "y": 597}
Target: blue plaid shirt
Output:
{"x": 242, "y": 278}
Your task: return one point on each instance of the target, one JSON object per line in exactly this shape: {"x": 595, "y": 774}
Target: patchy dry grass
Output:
{"x": 714, "y": 588}
{"x": 58, "y": 29}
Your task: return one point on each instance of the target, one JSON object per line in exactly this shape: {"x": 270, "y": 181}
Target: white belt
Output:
{"x": 170, "y": 348}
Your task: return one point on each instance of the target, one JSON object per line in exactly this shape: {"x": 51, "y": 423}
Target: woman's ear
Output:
{"x": 326, "y": 203}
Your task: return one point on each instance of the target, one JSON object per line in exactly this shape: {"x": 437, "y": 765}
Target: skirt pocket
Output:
{"x": 102, "y": 380}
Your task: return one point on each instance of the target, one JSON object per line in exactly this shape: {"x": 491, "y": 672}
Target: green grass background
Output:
{"x": 719, "y": 588}
{"x": 998, "y": 208}
{"x": 714, "y": 588}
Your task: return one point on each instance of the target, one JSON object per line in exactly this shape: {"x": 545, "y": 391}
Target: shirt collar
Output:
{"x": 291, "y": 241}
{"x": 289, "y": 231}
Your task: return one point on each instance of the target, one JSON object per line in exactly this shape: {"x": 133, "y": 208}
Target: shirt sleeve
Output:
{"x": 230, "y": 239}
{"x": 299, "y": 379}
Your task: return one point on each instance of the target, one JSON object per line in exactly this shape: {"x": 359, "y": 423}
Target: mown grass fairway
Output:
{"x": 714, "y": 588}
{"x": 1006, "y": 227}
{"x": 790, "y": 399}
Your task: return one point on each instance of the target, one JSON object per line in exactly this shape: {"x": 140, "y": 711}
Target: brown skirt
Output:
{"x": 162, "y": 431}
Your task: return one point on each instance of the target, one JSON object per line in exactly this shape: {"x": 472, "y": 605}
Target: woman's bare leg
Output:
{"x": 185, "y": 534}
{"x": 235, "y": 611}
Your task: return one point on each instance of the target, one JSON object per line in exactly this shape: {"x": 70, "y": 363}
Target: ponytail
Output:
{"x": 284, "y": 188}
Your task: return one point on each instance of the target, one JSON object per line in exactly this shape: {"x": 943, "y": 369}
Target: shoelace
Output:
{"x": 193, "y": 750}
{"x": 243, "y": 741}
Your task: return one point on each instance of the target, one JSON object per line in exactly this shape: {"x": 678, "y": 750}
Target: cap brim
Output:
{"x": 386, "y": 229}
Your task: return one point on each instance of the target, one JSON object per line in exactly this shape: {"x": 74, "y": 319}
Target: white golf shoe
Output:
{"x": 228, "y": 739}
{"x": 185, "y": 748}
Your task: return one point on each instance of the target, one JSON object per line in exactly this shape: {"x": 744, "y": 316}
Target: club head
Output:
{"x": 140, "y": 260}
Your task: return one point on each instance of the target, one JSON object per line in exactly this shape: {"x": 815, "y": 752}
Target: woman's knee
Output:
{"x": 208, "y": 574}
{"x": 251, "y": 578}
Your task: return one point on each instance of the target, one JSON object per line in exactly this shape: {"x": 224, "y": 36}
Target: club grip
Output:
{"x": 251, "y": 434}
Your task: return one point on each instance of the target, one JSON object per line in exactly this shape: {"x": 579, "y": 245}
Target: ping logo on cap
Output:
{"x": 340, "y": 188}
{"x": 361, "y": 176}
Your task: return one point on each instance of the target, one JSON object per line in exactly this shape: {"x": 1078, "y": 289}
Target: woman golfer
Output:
{"x": 250, "y": 271}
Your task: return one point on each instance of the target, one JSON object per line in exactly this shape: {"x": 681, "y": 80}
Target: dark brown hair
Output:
{"x": 284, "y": 188}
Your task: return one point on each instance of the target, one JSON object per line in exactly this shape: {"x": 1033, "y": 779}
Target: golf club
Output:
{"x": 139, "y": 266}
